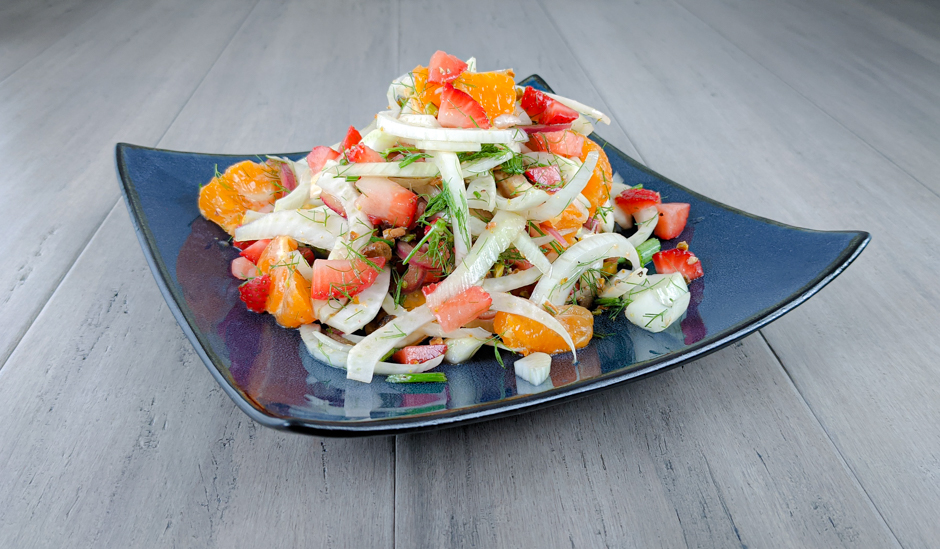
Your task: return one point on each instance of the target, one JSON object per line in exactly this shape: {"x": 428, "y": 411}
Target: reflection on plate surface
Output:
{"x": 755, "y": 271}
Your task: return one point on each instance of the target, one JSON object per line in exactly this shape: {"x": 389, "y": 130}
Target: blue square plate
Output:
{"x": 756, "y": 270}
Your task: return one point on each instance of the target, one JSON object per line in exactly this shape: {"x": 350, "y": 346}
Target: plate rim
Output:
{"x": 494, "y": 409}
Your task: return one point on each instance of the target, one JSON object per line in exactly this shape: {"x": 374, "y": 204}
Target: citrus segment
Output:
{"x": 495, "y": 91}
{"x": 597, "y": 189}
{"x": 529, "y": 336}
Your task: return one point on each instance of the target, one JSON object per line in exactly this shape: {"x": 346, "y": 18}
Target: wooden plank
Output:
{"x": 140, "y": 444}
{"x": 717, "y": 454}
{"x": 677, "y": 459}
{"x": 863, "y": 351}
{"x": 115, "y": 435}
{"x": 876, "y": 75}
{"x": 122, "y": 77}
{"x": 29, "y": 27}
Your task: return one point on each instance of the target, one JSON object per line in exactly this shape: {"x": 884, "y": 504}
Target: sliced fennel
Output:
{"x": 385, "y": 169}
{"x": 646, "y": 220}
{"x": 449, "y": 166}
{"x": 363, "y": 308}
{"x": 317, "y": 227}
{"x": 513, "y": 281}
{"x": 336, "y": 354}
{"x": 386, "y": 121}
{"x": 531, "y": 252}
{"x": 534, "y": 368}
{"x": 364, "y": 356}
{"x": 481, "y": 193}
{"x": 563, "y": 198}
{"x": 659, "y": 302}
{"x": 453, "y": 146}
{"x": 569, "y": 266}
{"x": 500, "y": 232}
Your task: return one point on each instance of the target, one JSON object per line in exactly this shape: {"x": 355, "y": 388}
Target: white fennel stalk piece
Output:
{"x": 555, "y": 205}
{"x": 319, "y": 227}
{"x": 364, "y": 356}
{"x": 336, "y": 354}
{"x": 658, "y": 302}
{"x": 359, "y": 312}
{"x": 359, "y": 226}
{"x": 646, "y": 220}
{"x": 570, "y": 265}
{"x": 388, "y": 122}
{"x": 449, "y": 165}
{"x": 534, "y": 368}
{"x": 499, "y": 234}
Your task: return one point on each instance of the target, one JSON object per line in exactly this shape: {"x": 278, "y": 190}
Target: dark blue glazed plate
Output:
{"x": 756, "y": 270}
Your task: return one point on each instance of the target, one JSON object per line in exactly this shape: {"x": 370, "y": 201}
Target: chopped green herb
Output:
{"x": 427, "y": 377}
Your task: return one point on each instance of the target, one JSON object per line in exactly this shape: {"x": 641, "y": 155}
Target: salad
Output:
{"x": 473, "y": 212}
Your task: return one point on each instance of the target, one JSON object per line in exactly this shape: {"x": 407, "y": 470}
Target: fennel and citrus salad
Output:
{"x": 472, "y": 212}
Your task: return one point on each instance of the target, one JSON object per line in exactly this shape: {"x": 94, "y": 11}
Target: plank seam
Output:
{"x": 32, "y": 321}
{"x": 607, "y": 104}
{"x": 807, "y": 99}
{"x": 50, "y": 46}
{"x": 832, "y": 444}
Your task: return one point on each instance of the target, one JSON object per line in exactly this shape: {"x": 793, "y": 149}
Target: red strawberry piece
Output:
{"x": 634, "y": 200}
{"x": 255, "y": 293}
{"x": 307, "y": 253}
{"x": 336, "y": 278}
{"x": 384, "y": 200}
{"x": 362, "y": 153}
{"x": 352, "y": 138}
{"x": 678, "y": 261}
{"x": 416, "y": 354}
{"x": 429, "y": 289}
{"x": 534, "y": 102}
{"x": 332, "y": 203}
{"x": 244, "y": 244}
{"x": 243, "y": 269}
{"x": 545, "y": 177}
{"x": 287, "y": 177}
{"x": 545, "y": 110}
{"x": 444, "y": 67}
{"x": 462, "y": 308}
{"x": 253, "y": 253}
{"x": 459, "y": 110}
{"x": 672, "y": 219}
{"x": 318, "y": 157}
{"x": 558, "y": 113}
{"x": 566, "y": 143}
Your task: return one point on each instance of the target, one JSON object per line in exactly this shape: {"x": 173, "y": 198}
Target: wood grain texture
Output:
{"x": 28, "y": 27}
{"x": 161, "y": 457}
{"x": 863, "y": 351}
{"x": 876, "y": 75}
{"x": 623, "y": 469}
{"x": 714, "y": 454}
{"x": 115, "y": 435}
{"x": 124, "y": 75}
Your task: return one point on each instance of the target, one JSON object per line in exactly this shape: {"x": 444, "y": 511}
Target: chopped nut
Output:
{"x": 682, "y": 246}
{"x": 378, "y": 249}
{"x": 692, "y": 260}
{"x": 436, "y": 341}
{"x": 395, "y": 232}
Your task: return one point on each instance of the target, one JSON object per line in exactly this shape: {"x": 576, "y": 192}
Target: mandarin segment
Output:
{"x": 289, "y": 298}
{"x": 597, "y": 190}
{"x": 219, "y": 203}
{"x": 277, "y": 251}
{"x": 255, "y": 182}
{"x": 426, "y": 93}
{"x": 495, "y": 91}
{"x": 528, "y": 336}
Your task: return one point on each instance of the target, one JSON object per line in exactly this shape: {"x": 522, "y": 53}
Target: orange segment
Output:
{"x": 276, "y": 252}
{"x": 495, "y": 91}
{"x": 254, "y": 182}
{"x": 289, "y": 300}
{"x": 425, "y": 93}
{"x": 219, "y": 203}
{"x": 571, "y": 218}
{"x": 597, "y": 190}
{"x": 529, "y": 336}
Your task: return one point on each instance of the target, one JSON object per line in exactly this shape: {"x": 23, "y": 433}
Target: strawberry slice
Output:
{"x": 459, "y": 110}
{"x": 241, "y": 245}
{"x": 444, "y": 67}
{"x": 352, "y": 138}
{"x": 634, "y": 200}
{"x": 255, "y": 293}
{"x": 534, "y": 102}
{"x": 362, "y": 153}
{"x": 672, "y": 219}
{"x": 336, "y": 278}
{"x": 463, "y": 308}
{"x": 544, "y": 177}
{"x": 307, "y": 253}
{"x": 543, "y": 109}
{"x": 416, "y": 354}
{"x": 678, "y": 261}
{"x": 385, "y": 201}
{"x": 566, "y": 143}
{"x": 558, "y": 113}
{"x": 318, "y": 157}
{"x": 243, "y": 269}
{"x": 253, "y": 252}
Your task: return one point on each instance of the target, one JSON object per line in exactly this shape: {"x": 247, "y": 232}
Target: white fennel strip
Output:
{"x": 361, "y": 310}
{"x": 449, "y": 165}
{"x": 318, "y": 227}
{"x": 563, "y": 198}
{"x": 336, "y": 354}
{"x": 364, "y": 356}
{"x": 387, "y": 122}
{"x": 531, "y": 252}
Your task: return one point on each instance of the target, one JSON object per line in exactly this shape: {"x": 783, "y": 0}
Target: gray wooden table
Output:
{"x": 819, "y": 431}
